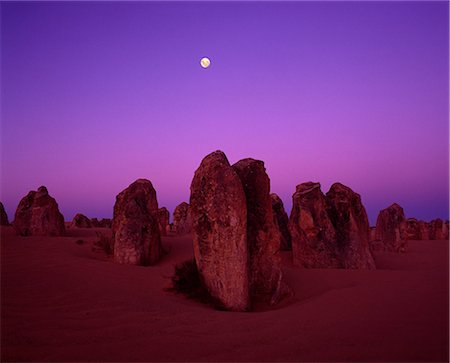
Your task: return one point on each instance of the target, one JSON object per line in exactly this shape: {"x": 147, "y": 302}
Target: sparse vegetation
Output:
{"x": 187, "y": 281}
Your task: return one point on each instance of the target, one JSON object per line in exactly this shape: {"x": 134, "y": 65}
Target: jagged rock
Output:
{"x": 313, "y": 234}
{"x": 263, "y": 236}
{"x": 281, "y": 220}
{"x": 163, "y": 221}
{"x": 105, "y": 223}
{"x": 219, "y": 222}
{"x": 182, "y": 219}
{"x": 413, "y": 229}
{"x": 349, "y": 218}
{"x": 135, "y": 225}
{"x": 391, "y": 229}
{"x": 81, "y": 221}
{"x": 38, "y": 214}
{"x": 3, "y": 216}
{"x": 95, "y": 223}
{"x": 424, "y": 230}
{"x": 438, "y": 229}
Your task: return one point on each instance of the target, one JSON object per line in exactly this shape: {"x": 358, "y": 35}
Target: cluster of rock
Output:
{"x": 135, "y": 227}
{"x": 38, "y": 214}
{"x": 329, "y": 231}
{"x": 393, "y": 230}
{"x": 182, "y": 219}
{"x": 236, "y": 241}
{"x": 3, "y": 216}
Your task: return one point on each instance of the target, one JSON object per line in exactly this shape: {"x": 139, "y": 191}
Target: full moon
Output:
{"x": 205, "y": 62}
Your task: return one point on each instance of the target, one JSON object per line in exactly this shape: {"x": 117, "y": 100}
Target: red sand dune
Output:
{"x": 63, "y": 302}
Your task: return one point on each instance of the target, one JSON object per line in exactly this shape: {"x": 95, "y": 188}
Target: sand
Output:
{"x": 62, "y": 302}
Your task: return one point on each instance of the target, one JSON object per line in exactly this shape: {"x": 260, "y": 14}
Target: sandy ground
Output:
{"x": 62, "y": 302}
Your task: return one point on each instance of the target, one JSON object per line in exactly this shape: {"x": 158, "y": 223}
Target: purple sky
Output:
{"x": 96, "y": 95}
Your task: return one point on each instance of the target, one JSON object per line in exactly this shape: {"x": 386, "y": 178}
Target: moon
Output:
{"x": 205, "y": 62}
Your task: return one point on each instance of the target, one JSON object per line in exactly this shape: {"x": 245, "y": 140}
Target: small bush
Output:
{"x": 187, "y": 281}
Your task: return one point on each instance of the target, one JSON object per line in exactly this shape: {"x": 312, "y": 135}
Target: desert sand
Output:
{"x": 63, "y": 302}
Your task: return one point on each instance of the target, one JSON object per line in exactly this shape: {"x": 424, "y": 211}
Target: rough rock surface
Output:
{"x": 413, "y": 229}
{"x": 349, "y": 218}
{"x": 163, "y": 221}
{"x": 313, "y": 234}
{"x": 135, "y": 227}
{"x": 281, "y": 220}
{"x": 182, "y": 219}
{"x": 3, "y": 216}
{"x": 105, "y": 223}
{"x": 438, "y": 229}
{"x": 219, "y": 222}
{"x": 263, "y": 236}
{"x": 95, "y": 223}
{"x": 81, "y": 221}
{"x": 372, "y": 234}
{"x": 38, "y": 214}
{"x": 391, "y": 229}
{"x": 424, "y": 230}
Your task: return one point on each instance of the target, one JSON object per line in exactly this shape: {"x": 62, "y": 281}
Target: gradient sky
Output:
{"x": 96, "y": 95}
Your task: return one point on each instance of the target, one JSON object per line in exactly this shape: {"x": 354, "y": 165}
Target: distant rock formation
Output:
{"x": 349, "y": 218}
{"x": 182, "y": 219}
{"x": 95, "y": 223}
{"x": 417, "y": 230}
{"x": 219, "y": 222}
{"x": 135, "y": 227}
{"x": 424, "y": 230}
{"x": 438, "y": 229}
{"x": 3, "y": 216}
{"x": 81, "y": 221}
{"x": 163, "y": 221}
{"x": 281, "y": 221}
{"x": 313, "y": 234}
{"x": 38, "y": 214}
{"x": 413, "y": 229}
{"x": 105, "y": 223}
{"x": 263, "y": 236}
{"x": 391, "y": 229}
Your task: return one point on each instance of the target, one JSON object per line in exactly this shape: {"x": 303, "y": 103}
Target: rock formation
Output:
{"x": 163, "y": 221}
{"x": 105, "y": 223}
{"x": 219, "y": 222}
{"x": 95, "y": 223}
{"x": 372, "y": 234}
{"x": 135, "y": 227}
{"x": 413, "y": 229}
{"x": 391, "y": 229}
{"x": 263, "y": 236}
{"x": 313, "y": 234}
{"x": 38, "y": 214}
{"x": 281, "y": 220}
{"x": 81, "y": 221}
{"x": 182, "y": 219}
{"x": 349, "y": 218}
{"x": 329, "y": 231}
{"x": 3, "y": 216}
{"x": 424, "y": 230}
{"x": 438, "y": 229}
